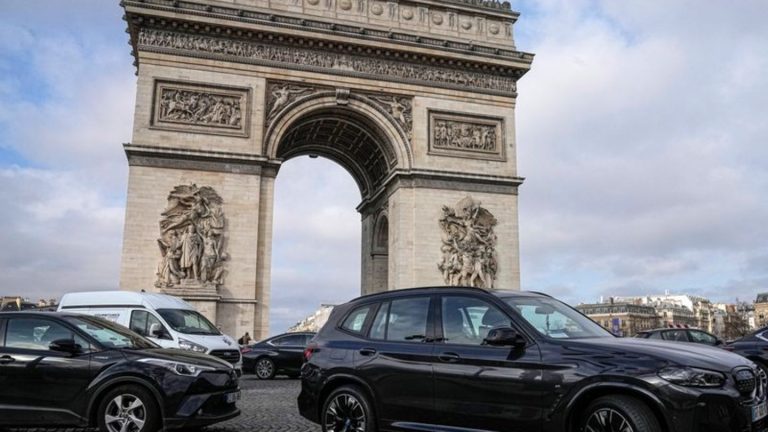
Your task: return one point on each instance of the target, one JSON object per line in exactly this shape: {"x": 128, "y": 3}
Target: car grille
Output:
{"x": 752, "y": 383}
{"x": 232, "y": 356}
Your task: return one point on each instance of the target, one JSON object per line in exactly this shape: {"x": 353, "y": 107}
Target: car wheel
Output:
{"x": 265, "y": 368}
{"x": 128, "y": 408}
{"x": 619, "y": 414}
{"x": 347, "y": 409}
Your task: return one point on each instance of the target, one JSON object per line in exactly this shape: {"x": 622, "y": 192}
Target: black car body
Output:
{"x": 681, "y": 335}
{"x": 463, "y": 359}
{"x": 63, "y": 369}
{"x": 281, "y": 354}
{"x": 753, "y": 346}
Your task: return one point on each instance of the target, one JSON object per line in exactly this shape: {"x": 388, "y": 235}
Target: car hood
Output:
{"x": 212, "y": 342}
{"x": 677, "y": 353}
{"x": 181, "y": 356}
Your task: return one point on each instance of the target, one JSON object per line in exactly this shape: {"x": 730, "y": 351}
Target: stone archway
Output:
{"x": 415, "y": 99}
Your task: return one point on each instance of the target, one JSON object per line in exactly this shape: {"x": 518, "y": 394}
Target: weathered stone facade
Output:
{"x": 415, "y": 98}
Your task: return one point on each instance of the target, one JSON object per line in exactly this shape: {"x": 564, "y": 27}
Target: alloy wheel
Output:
{"x": 607, "y": 420}
{"x": 345, "y": 414}
{"x": 125, "y": 413}
{"x": 265, "y": 368}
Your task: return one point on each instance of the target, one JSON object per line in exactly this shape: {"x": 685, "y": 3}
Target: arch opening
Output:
{"x": 346, "y": 137}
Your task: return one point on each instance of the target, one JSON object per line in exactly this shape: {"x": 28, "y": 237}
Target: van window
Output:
{"x": 141, "y": 323}
{"x": 188, "y": 321}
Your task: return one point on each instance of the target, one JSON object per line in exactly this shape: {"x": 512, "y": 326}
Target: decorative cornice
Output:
{"x": 199, "y": 160}
{"x": 320, "y": 57}
{"x": 239, "y": 15}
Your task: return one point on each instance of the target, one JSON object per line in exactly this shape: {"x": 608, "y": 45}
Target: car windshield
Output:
{"x": 188, "y": 321}
{"x": 109, "y": 334}
{"x": 554, "y": 319}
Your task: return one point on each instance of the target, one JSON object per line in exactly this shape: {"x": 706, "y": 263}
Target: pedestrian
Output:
{"x": 245, "y": 339}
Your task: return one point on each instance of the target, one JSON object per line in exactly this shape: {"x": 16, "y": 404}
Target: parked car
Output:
{"x": 281, "y": 354}
{"x": 64, "y": 369}
{"x": 463, "y": 359}
{"x": 753, "y": 346}
{"x": 166, "y": 320}
{"x": 681, "y": 335}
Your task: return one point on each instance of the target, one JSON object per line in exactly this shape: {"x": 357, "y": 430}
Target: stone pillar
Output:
{"x": 264, "y": 252}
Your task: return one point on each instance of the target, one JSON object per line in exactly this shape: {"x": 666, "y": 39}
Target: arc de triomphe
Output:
{"x": 415, "y": 98}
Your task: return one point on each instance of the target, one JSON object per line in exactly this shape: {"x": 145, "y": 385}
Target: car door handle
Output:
{"x": 367, "y": 352}
{"x": 7, "y": 359}
{"x": 449, "y": 357}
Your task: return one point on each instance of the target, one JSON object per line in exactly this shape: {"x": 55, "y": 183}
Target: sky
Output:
{"x": 641, "y": 132}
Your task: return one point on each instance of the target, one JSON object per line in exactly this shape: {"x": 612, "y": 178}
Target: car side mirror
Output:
{"x": 719, "y": 342}
{"x": 504, "y": 336}
{"x": 156, "y": 330}
{"x": 65, "y": 345}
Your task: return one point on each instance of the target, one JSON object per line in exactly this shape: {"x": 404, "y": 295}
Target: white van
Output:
{"x": 167, "y": 320}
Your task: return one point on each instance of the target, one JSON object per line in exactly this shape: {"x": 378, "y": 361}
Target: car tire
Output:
{"x": 347, "y": 408}
{"x": 128, "y": 403}
{"x": 608, "y": 413}
{"x": 265, "y": 368}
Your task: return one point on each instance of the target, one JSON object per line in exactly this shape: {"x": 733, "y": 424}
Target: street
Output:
{"x": 267, "y": 406}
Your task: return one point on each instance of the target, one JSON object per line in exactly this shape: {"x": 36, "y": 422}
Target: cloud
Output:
{"x": 641, "y": 136}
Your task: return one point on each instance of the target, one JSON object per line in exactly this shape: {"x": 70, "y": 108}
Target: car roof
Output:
{"x": 39, "y": 314}
{"x": 121, "y": 299}
{"x": 447, "y": 290}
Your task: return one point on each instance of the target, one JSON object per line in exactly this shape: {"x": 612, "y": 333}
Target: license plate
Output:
{"x": 759, "y": 411}
{"x": 233, "y": 397}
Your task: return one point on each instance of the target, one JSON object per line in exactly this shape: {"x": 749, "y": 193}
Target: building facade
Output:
{"x": 415, "y": 98}
{"x": 623, "y": 319}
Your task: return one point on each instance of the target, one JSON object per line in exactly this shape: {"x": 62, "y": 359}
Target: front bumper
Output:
{"x": 203, "y": 409}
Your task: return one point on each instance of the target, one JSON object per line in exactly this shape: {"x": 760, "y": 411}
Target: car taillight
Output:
{"x": 308, "y": 351}
{"x": 245, "y": 350}
{"x": 728, "y": 348}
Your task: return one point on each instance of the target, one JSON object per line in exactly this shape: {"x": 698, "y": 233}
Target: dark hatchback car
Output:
{"x": 281, "y": 354}
{"x": 463, "y": 359}
{"x": 59, "y": 369}
{"x": 753, "y": 346}
{"x": 681, "y": 335}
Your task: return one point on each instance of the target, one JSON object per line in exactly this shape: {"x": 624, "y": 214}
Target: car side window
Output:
{"x": 654, "y": 335}
{"x": 467, "y": 320}
{"x": 407, "y": 319}
{"x": 293, "y": 340}
{"x": 701, "y": 337}
{"x": 379, "y": 327}
{"x": 142, "y": 321}
{"x": 675, "y": 335}
{"x": 37, "y": 334}
{"x": 356, "y": 319}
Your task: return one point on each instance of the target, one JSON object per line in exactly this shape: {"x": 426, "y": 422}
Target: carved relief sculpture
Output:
{"x": 468, "y": 245}
{"x": 192, "y": 239}
{"x": 279, "y": 95}
{"x": 195, "y": 108}
{"x": 326, "y": 61}
{"x": 400, "y": 108}
{"x": 453, "y": 134}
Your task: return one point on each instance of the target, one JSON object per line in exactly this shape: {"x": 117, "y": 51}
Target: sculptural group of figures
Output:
{"x": 465, "y": 136}
{"x": 310, "y": 57}
{"x": 200, "y": 108}
{"x": 192, "y": 242}
{"x": 468, "y": 249}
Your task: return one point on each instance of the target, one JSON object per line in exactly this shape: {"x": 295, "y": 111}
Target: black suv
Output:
{"x": 281, "y": 354}
{"x": 464, "y": 359}
{"x": 60, "y": 369}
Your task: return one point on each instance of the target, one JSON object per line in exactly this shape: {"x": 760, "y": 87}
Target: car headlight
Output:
{"x": 179, "y": 368}
{"x": 692, "y": 377}
{"x": 191, "y": 346}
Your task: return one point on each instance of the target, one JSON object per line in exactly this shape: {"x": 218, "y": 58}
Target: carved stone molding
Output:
{"x": 325, "y": 61}
{"x": 398, "y": 108}
{"x": 191, "y": 107}
{"x": 468, "y": 245}
{"x": 465, "y": 135}
{"x": 192, "y": 242}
